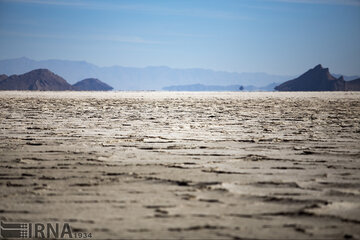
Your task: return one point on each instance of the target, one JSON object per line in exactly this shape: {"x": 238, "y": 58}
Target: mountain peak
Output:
{"x": 38, "y": 79}
{"x": 315, "y": 79}
{"x": 41, "y": 70}
{"x": 319, "y": 66}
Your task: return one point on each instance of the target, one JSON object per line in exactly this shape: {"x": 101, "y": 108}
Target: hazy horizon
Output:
{"x": 283, "y": 37}
{"x": 127, "y": 66}
{"x": 164, "y": 66}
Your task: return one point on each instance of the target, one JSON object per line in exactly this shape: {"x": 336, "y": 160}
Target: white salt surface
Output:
{"x": 171, "y": 165}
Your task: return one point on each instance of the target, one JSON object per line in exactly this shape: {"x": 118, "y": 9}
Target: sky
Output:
{"x": 274, "y": 36}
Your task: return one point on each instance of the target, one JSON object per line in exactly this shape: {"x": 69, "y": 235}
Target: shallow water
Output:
{"x": 206, "y": 165}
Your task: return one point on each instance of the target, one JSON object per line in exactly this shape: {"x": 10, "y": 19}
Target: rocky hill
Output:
{"x": 91, "y": 84}
{"x": 39, "y": 79}
{"x": 319, "y": 79}
{"x": 316, "y": 79}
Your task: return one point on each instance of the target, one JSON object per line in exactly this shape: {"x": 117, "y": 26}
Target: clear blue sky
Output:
{"x": 273, "y": 36}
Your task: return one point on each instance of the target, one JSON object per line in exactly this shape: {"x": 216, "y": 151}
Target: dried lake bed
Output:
{"x": 181, "y": 165}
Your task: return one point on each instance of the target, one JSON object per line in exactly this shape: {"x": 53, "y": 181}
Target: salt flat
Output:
{"x": 171, "y": 165}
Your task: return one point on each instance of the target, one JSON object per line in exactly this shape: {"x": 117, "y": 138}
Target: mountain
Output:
{"x": 131, "y": 78}
{"x": 3, "y": 77}
{"x": 353, "y": 85}
{"x": 70, "y": 70}
{"x": 316, "y": 79}
{"x": 39, "y": 79}
{"x": 91, "y": 84}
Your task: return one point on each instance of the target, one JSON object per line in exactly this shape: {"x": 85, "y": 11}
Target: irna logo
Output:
{"x": 39, "y": 230}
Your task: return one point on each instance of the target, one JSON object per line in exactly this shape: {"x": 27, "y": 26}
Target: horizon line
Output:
{"x": 175, "y": 68}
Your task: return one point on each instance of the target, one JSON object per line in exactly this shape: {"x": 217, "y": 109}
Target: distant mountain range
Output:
{"x": 131, "y": 78}
{"x": 45, "y": 80}
{"x": 319, "y": 79}
{"x": 150, "y": 78}
{"x": 316, "y": 79}
{"x": 217, "y": 88}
